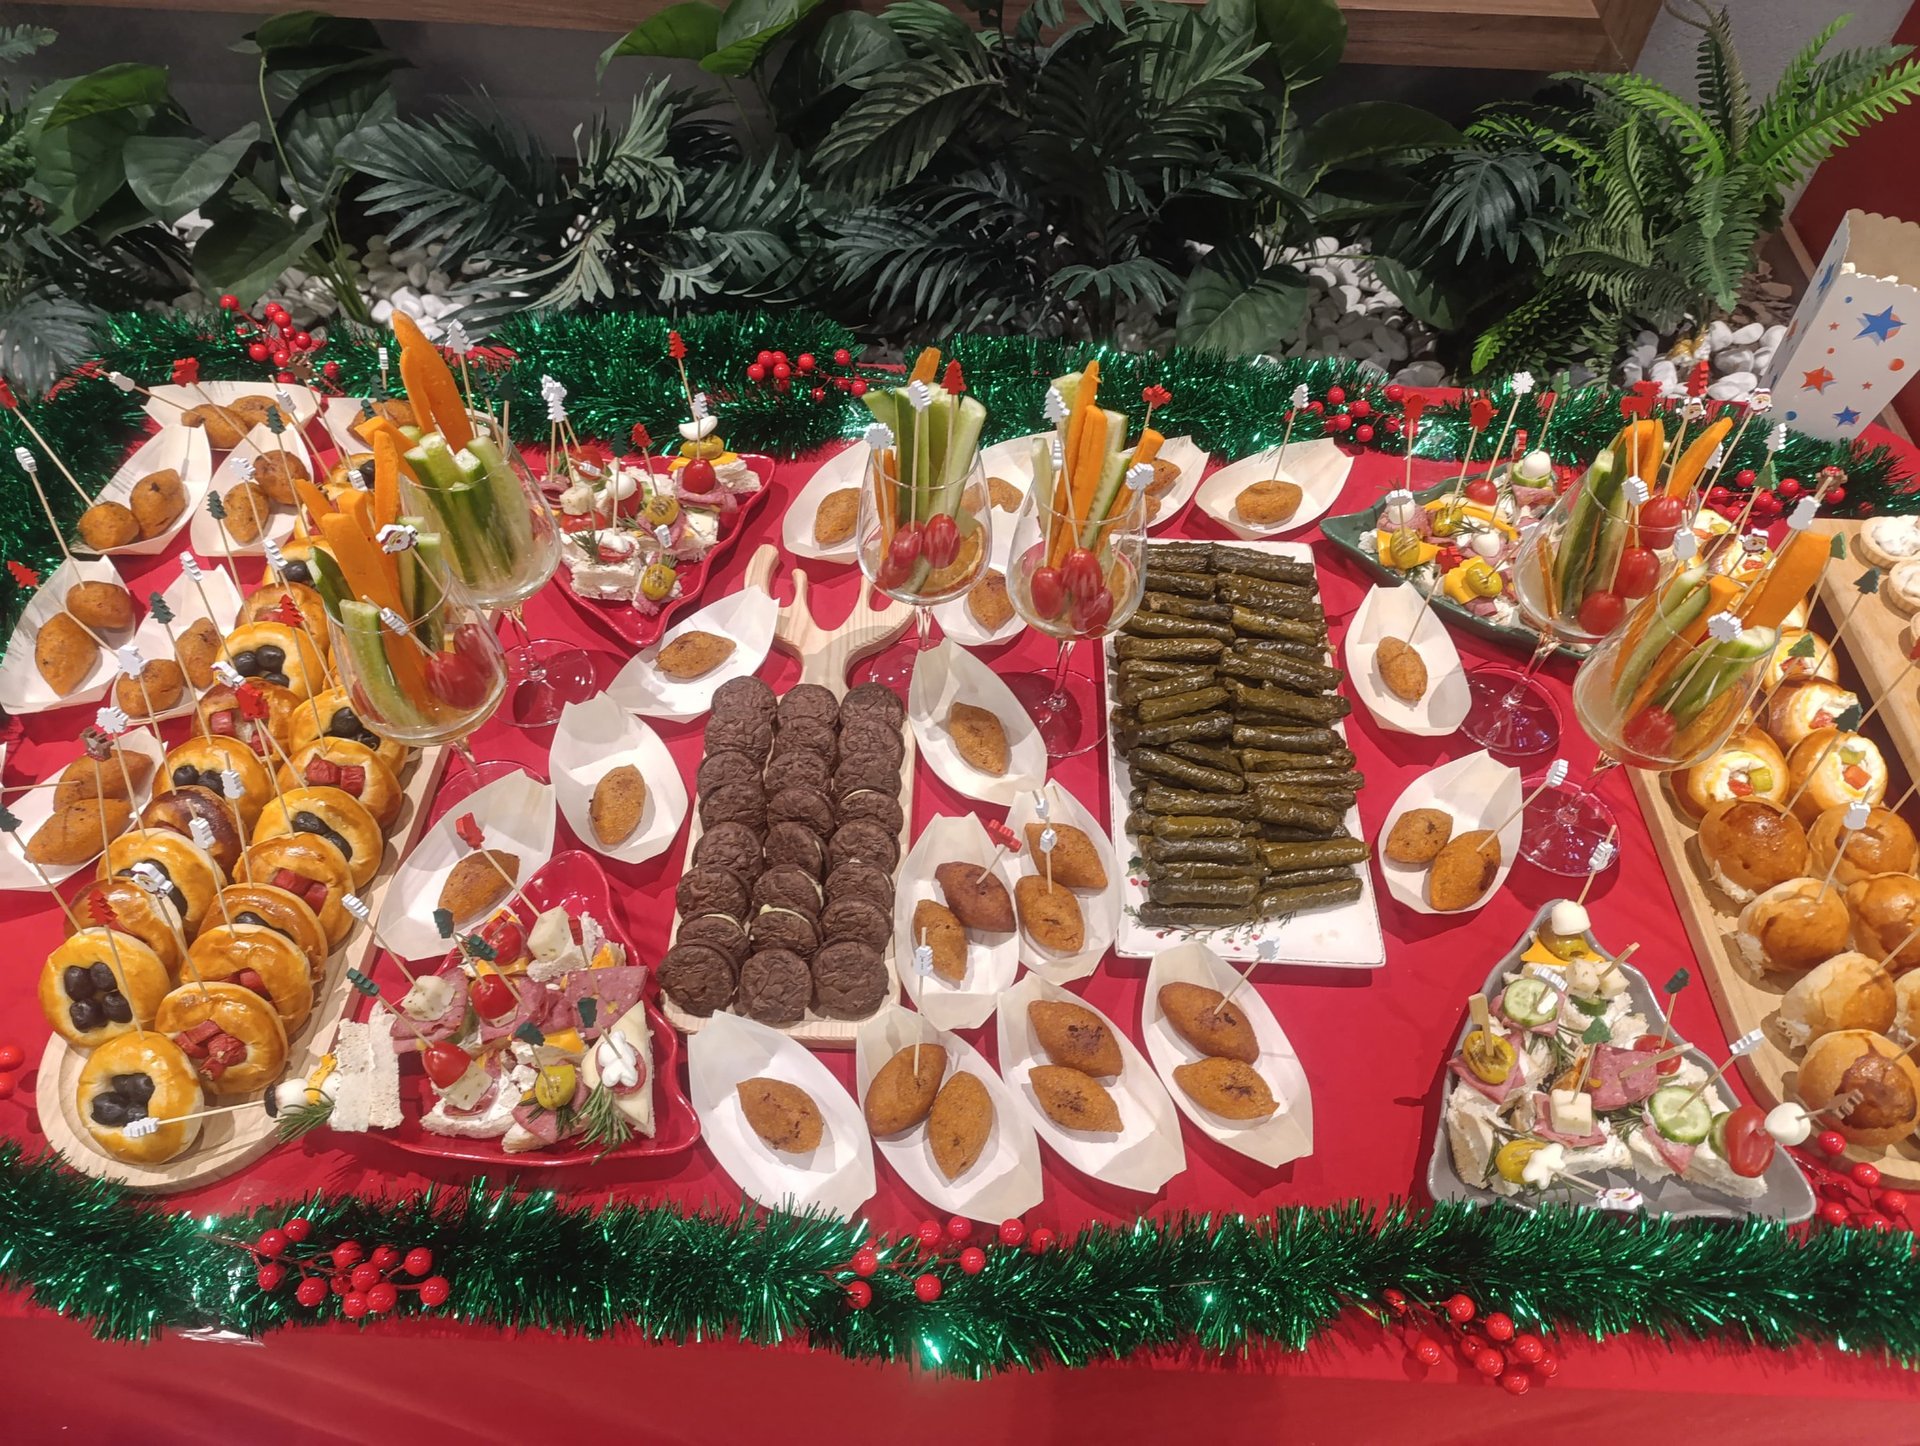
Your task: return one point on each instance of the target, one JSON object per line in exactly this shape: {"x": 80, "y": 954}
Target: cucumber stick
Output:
{"x": 963, "y": 443}
{"x": 1112, "y": 481}
{"x": 1724, "y": 666}
{"x": 513, "y": 521}
{"x": 1681, "y": 603}
{"x": 1579, "y": 541}
{"x": 361, "y": 626}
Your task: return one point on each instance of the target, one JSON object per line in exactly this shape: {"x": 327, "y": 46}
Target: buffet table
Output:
{"x": 1374, "y": 1046}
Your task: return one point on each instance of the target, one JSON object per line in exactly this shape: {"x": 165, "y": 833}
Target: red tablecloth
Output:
{"x": 1373, "y": 1043}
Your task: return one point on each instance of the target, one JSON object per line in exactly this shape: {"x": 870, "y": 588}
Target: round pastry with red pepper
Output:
{"x": 179, "y": 809}
{"x": 350, "y": 766}
{"x": 311, "y": 869}
{"x": 258, "y": 958}
{"x": 1837, "y": 769}
{"x": 182, "y": 872}
{"x": 1748, "y": 765}
{"x": 331, "y": 715}
{"x": 101, "y": 983}
{"x": 147, "y": 917}
{"x": 138, "y": 1076}
{"x": 330, "y": 814}
{"x": 233, "y": 1036}
{"x": 280, "y": 910}
{"x": 266, "y": 604}
{"x": 204, "y": 760}
{"x": 273, "y": 652}
{"x": 220, "y": 709}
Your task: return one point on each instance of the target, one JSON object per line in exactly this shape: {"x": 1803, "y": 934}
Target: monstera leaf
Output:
{"x": 1236, "y": 305}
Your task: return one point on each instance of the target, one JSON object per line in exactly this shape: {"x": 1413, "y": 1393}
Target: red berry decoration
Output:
{"x": 858, "y": 386}
{"x": 434, "y": 1291}
{"x": 1336, "y": 395}
{"x": 311, "y": 1291}
{"x": 1361, "y": 407}
{"x": 270, "y": 1277}
{"x": 1040, "y": 1240}
{"x": 7, "y": 1086}
{"x": 1396, "y": 1302}
{"x": 1396, "y": 392}
{"x": 781, "y": 371}
{"x": 782, "y": 384}
{"x": 419, "y": 1261}
{"x": 1745, "y": 477}
{"x": 354, "y": 1307}
{"x": 842, "y": 357}
{"x": 10, "y": 1056}
{"x": 1865, "y": 1176}
{"x": 272, "y": 1244}
{"x": 805, "y": 361}
{"x": 1516, "y": 1383}
{"x": 257, "y": 350}
{"x": 959, "y": 1227}
{"x": 385, "y": 1257}
{"x": 764, "y": 360}
{"x": 1834, "y": 1213}
{"x": 1874, "y": 1220}
{"x": 1836, "y": 496}
{"x": 347, "y": 1254}
{"x": 1392, "y": 424}
{"x": 927, "y": 1287}
{"x": 819, "y": 394}
{"x": 973, "y": 1260}
{"x": 1012, "y": 1232}
{"x": 1471, "y": 1345}
{"x": 1547, "y": 1366}
{"x": 1831, "y": 1142}
{"x": 1498, "y": 1327}
{"x": 756, "y": 372}
{"x": 1317, "y": 408}
{"x": 1527, "y": 1349}
{"x": 859, "y": 1295}
{"x": 1339, "y": 422}
{"x": 283, "y": 377}
{"x": 364, "y": 1277}
{"x": 779, "y": 356}
{"x": 1363, "y": 433}
{"x": 1489, "y": 1363}
{"x": 331, "y": 371}
{"x": 1894, "y": 1202}
{"x": 1426, "y": 1350}
{"x": 866, "y": 1260}
{"x": 382, "y": 1298}
{"x": 1459, "y": 1309}
{"x": 229, "y": 302}
{"x": 929, "y": 1235}
{"x": 302, "y": 341}
{"x": 338, "y": 1284}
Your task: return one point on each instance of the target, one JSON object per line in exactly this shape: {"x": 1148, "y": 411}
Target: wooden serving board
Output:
{"x": 1876, "y": 645}
{"x": 1743, "y": 1001}
{"x": 825, "y": 658}
{"x": 228, "y": 1143}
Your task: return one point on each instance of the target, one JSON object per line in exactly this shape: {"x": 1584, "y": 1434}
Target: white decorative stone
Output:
{"x": 1663, "y": 370}
{"x": 1733, "y": 359}
{"x": 1733, "y": 387}
{"x": 1748, "y": 334}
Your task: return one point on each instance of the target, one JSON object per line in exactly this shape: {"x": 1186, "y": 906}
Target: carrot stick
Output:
{"x": 431, "y": 385}
{"x": 925, "y": 365}
{"x": 1721, "y": 591}
{"x": 407, "y": 332}
{"x": 386, "y": 480}
{"x": 1694, "y": 460}
{"x": 1783, "y": 586}
{"x": 1086, "y": 475}
{"x": 313, "y": 497}
{"x": 363, "y": 565}
{"x": 1149, "y": 448}
{"x": 378, "y": 426}
{"x": 1652, "y": 439}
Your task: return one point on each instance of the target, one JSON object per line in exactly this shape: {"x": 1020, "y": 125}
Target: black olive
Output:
{"x": 86, "y": 1014}
{"x": 298, "y": 571}
{"x": 306, "y": 822}
{"x": 75, "y": 980}
{"x": 185, "y": 774}
{"x": 116, "y": 1007}
{"x": 101, "y": 973}
{"x": 272, "y": 657}
{"x": 246, "y": 662}
{"x": 134, "y": 1086}
{"x": 247, "y": 916}
{"x": 277, "y": 678}
{"x": 345, "y": 724}
{"x": 109, "y": 1110}
{"x": 136, "y": 1109}
{"x": 210, "y": 780}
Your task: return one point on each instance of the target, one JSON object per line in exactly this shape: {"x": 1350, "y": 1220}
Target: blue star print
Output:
{"x": 1880, "y": 325}
{"x": 1846, "y": 417}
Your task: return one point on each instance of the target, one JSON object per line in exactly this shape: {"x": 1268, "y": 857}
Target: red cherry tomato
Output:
{"x": 491, "y": 997}
{"x": 445, "y": 1063}
{"x": 1657, "y": 1044}
{"x": 1601, "y": 611}
{"x": 698, "y": 476}
{"x": 1090, "y": 614}
{"x": 1081, "y": 574}
{"x": 1638, "y": 572}
{"x": 456, "y": 680}
{"x": 1048, "y": 591}
{"x": 1650, "y": 732}
{"x": 942, "y": 540}
{"x": 508, "y": 939}
{"x": 1660, "y": 520}
{"x": 1746, "y": 1143}
{"x": 905, "y": 547}
{"x": 1482, "y": 490}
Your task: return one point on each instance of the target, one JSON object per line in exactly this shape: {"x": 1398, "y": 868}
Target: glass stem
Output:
{"x": 1055, "y": 701}
{"x": 536, "y": 669}
{"x": 922, "y": 629}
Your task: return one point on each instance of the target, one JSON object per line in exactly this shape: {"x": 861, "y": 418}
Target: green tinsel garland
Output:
{"x": 617, "y": 372}
{"x": 1227, "y": 1283}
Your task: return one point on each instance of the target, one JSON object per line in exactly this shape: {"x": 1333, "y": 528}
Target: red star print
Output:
{"x": 1816, "y": 380}
{"x": 1833, "y": 326}
{"x": 1866, "y": 386}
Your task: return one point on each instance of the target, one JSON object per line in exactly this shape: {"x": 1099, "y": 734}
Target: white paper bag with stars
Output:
{"x": 1855, "y": 341}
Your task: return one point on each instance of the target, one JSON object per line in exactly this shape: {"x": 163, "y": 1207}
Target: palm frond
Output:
{"x": 44, "y": 333}
{"x": 1789, "y": 140}
{"x": 889, "y": 135}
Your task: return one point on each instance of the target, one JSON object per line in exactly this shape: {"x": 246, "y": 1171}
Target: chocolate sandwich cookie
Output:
{"x": 801, "y": 805}
{"x": 871, "y": 700}
{"x": 734, "y": 846}
{"x": 866, "y": 770}
{"x": 697, "y": 978}
{"x": 788, "y": 886}
{"x": 735, "y": 803}
{"x": 747, "y": 697}
{"x": 785, "y": 929}
{"x": 801, "y": 768}
{"x": 805, "y": 736}
{"x": 795, "y": 843}
{"x": 857, "y": 880}
{"x": 876, "y": 805}
{"x": 808, "y": 701}
{"x": 873, "y": 737}
{"x": 728, "y": 766}
{"x": 711, "y": 889}
{"x": 849, "y": 980}
{"x": 856, "y": 918}
{"x": 720, "y": 932}
{"x": 775, "y": 986}
{"x": 865, "y": 840}
{"x": 741, "y": 732}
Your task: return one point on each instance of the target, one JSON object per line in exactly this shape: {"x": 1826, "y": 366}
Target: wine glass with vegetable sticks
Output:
{"x": 924, "y": 532}
{"x": 1077, "y": 566}
{"x": 469, "y": 482}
